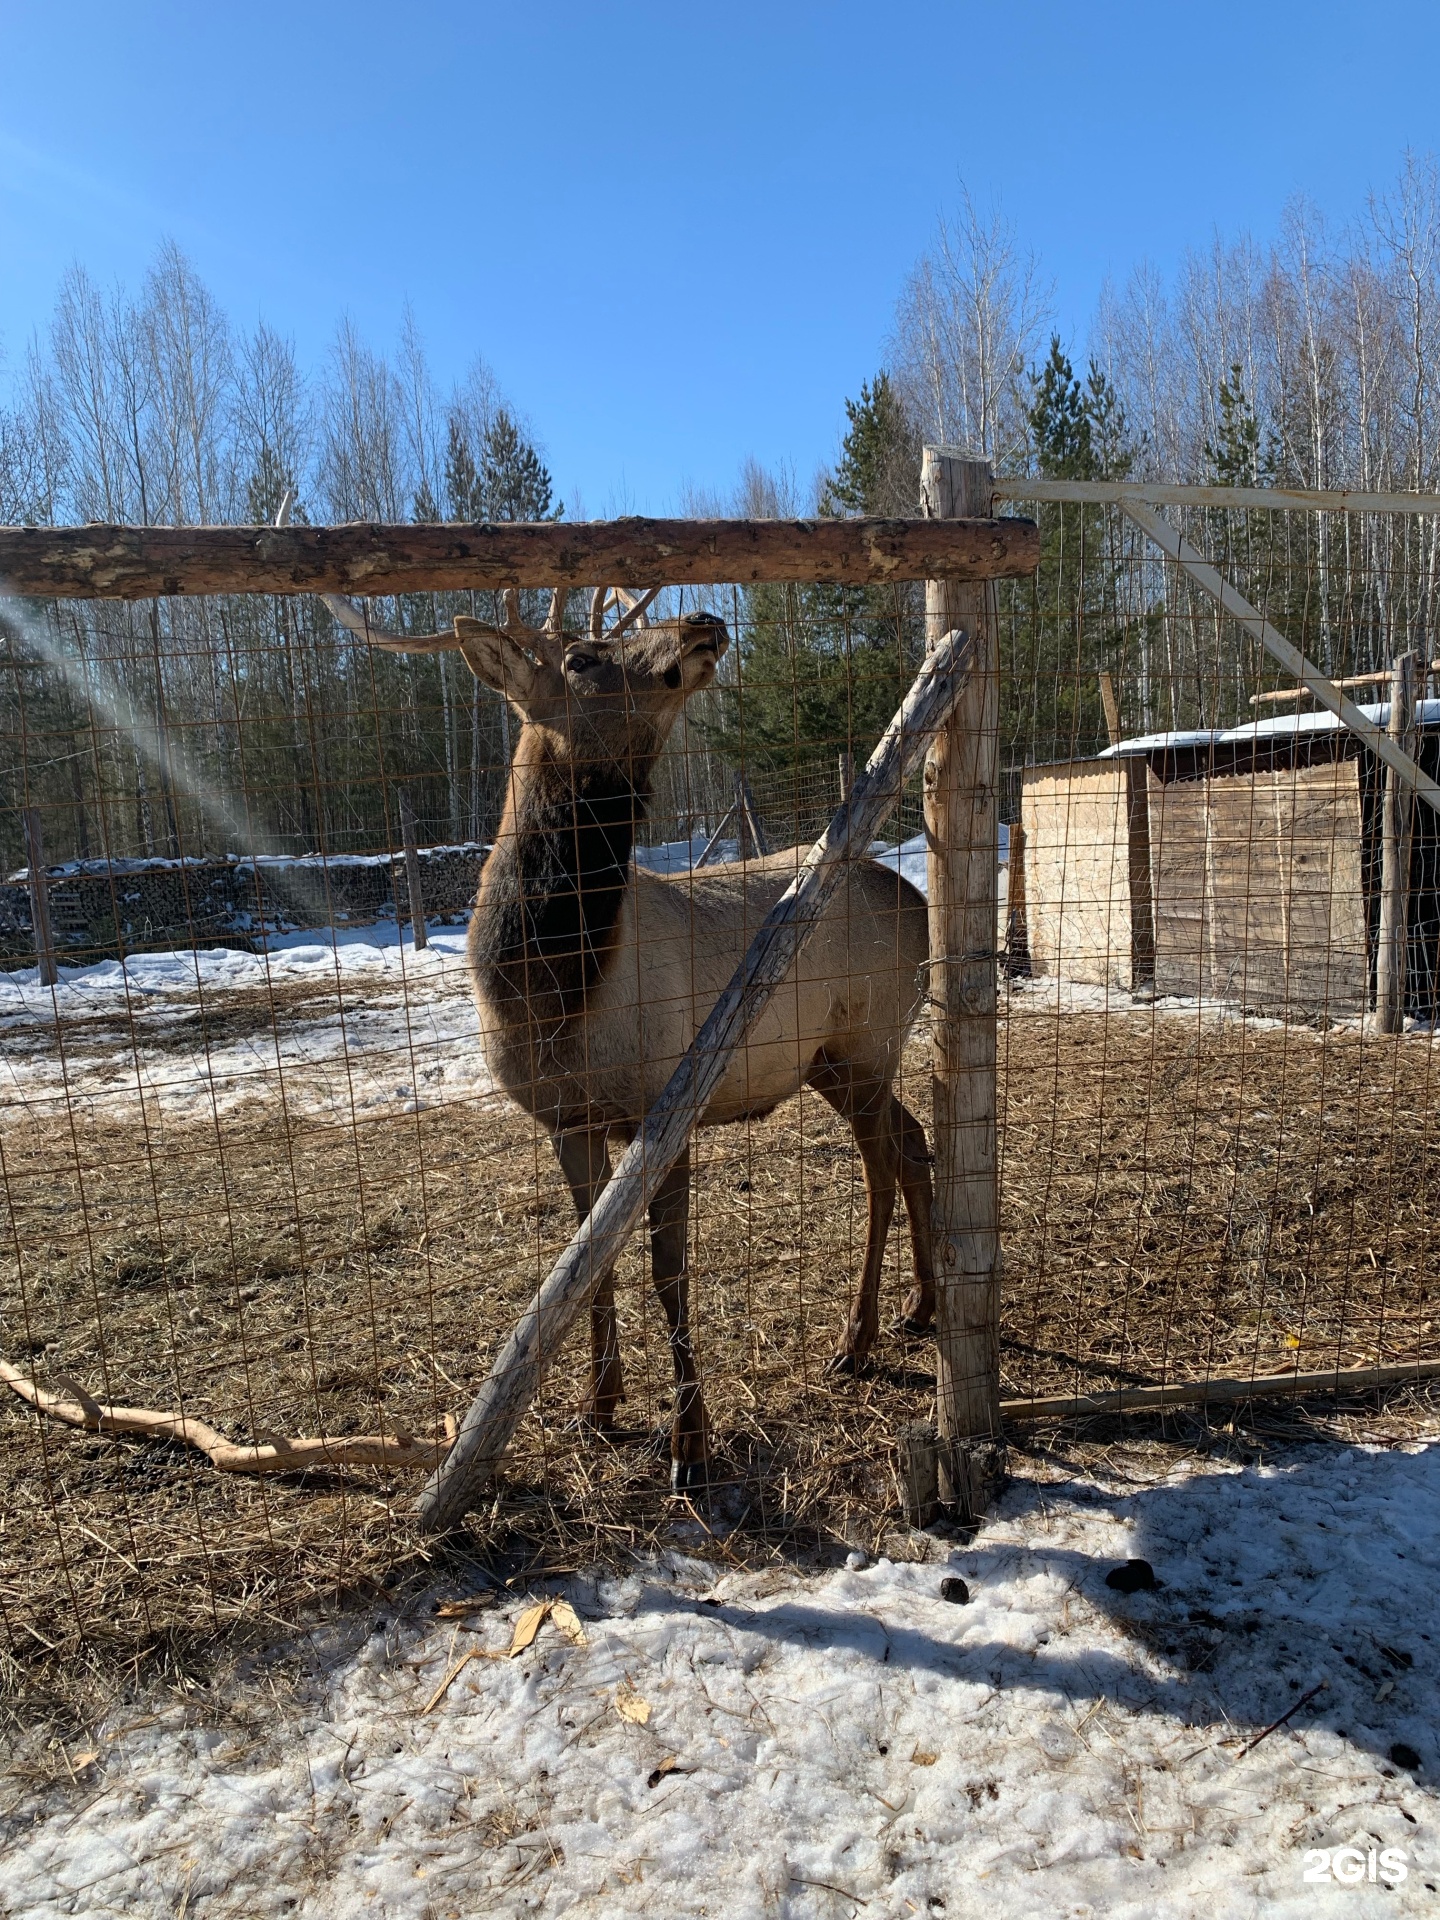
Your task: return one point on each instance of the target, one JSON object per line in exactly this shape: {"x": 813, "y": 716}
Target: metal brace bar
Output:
{"x": 1325, "y": 691}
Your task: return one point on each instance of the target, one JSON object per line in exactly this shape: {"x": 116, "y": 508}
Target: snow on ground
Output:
{"x": 739, "y": 1744}
{"x": 399, "y": 1032}
{"x": 403, "y": 1035}
{"x": 350, "y": 1024}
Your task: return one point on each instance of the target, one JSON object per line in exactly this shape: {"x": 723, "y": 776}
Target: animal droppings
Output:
{"x": 1136, "y": 1576}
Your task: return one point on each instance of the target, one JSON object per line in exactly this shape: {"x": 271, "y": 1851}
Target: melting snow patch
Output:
{"x": 400, "y": 1031}
{"x": 757, "y": 1745}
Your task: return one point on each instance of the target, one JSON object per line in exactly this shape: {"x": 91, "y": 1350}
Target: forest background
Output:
{"x": 251, "y": 723}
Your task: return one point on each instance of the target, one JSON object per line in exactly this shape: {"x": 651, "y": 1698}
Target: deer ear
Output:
{"x": 492, "y": 656}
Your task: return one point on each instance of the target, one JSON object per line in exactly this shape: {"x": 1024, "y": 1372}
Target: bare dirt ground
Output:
{"x": 1180, "y": 1198}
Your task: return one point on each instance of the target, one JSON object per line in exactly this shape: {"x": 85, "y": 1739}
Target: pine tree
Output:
{"x": 1060, "y": 420}
{"x": 1078, "y": 432}
{"x": 514, "y": 480}
{"x": 1242, "y": 457}
{"x": 464, "y": 494}
{"x": 879, "y": 467}
{"x": 824, "y": 667}
{"x": 267, "y": 486}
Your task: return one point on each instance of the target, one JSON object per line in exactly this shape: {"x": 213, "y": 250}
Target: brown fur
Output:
{"x": 592, "y": 977}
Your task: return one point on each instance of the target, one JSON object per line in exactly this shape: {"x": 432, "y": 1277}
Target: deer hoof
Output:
{"x": 689, "y": 1476}
{"x": 846, "y": 1365}
{"x": 912, "y": 1324}
{"x": 918, "y": 1313}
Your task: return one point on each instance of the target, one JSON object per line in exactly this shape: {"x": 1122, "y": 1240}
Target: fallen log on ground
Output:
{"x": 76, "y": 1408}
{"x": 405, "y": 1450}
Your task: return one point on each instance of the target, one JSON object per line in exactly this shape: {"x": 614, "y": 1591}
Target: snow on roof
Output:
{"x": 1158, "y": 743}
{"x": 1427, "y": 714}
{"x": 1282, "y": 726}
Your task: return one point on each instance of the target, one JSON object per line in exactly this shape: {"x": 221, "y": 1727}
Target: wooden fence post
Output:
{"x": 962, "y": 783}
{"x": 751, "y": 828}
{"x": 1017, "y": 926}
{"x": 412, "y": 870}
{"x": 39, "y": 897}
{"x": 1398, "y": 808}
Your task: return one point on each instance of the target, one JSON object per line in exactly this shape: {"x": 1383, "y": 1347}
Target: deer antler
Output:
{"x": 629, "y": 606}
{"x": 541, "y": 640}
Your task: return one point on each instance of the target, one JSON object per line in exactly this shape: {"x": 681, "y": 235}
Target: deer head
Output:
{"x": 607, "y": 696}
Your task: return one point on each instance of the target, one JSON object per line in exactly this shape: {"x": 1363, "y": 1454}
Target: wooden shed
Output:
{"x": 1239, "y": 866}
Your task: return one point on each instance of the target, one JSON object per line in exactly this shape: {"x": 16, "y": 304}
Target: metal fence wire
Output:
{"x": 258, "y": 1173}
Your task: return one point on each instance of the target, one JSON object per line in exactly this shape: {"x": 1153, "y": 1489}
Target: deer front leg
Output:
{"x": 877, "y": 1150}
{"x": 585, "y": 1161}
{"x": 867, "y": 1106}
{"x": 919, "y": 1191}
{"x": 669, "y": 1223}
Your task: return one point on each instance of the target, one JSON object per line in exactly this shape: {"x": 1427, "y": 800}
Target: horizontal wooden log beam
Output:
{"x": 1163, "y": 493}
{"x": 1200, "y": 1393}
{"x": 141, "y": 563}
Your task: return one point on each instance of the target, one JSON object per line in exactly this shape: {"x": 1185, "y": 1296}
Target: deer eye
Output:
{"x": 672, "y": 676}
{"x": 580, "y": 663}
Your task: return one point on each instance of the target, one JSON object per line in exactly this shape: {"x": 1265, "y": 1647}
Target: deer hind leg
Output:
{"x": 868, "y": 1105}
{"x": 669, "y": 1229}
{"x": 919, "y": 1191}
{"x": 585, "y": 1161}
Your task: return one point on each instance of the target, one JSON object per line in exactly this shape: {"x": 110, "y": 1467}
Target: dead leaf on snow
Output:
{"x": 528, "y": 1625}
{"x": 564, "y": 1616}
{"x": 632, "y": 1706}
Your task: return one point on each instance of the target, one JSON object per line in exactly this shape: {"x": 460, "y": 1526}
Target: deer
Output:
{"x": 592, "y": 974}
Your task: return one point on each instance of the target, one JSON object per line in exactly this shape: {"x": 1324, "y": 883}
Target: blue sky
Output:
{"x": 676, "y": 233}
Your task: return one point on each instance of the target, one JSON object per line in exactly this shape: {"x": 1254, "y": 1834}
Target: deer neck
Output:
{"x": 553, "y": 888}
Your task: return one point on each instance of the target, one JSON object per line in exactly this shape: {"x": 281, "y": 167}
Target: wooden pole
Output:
{"x": 750, "y": 818}
{"x": 1397, "y": 806}
{"x": 847, "y": 772}
{"x": 1142, "y": 898}
{"x": 961, "y": 826}
{"x": 714, "y": 841}
{"x": 1111, "y": 706}
{"x": 1120, "y": 493}
{"x": 39, "y": 897}
{"x": 413, "y": 883}
{"x": 1193, "y": 562}
{"x": 1017, "y": 927}
{"x": 599, "y": 1240}
{"x": 1280, "y": 695}
{"x": 139, "y": 563}
{"x": 1198, "y": 1393}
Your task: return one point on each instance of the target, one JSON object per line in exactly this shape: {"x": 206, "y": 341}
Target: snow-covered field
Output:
{"x": 351, "y": 1025}
{"x": 158, "y": 1030}
{"x": 739, "y": 1744}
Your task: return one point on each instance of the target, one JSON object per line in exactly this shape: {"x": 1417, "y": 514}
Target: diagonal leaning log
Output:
{"x": 490, "y": 1423}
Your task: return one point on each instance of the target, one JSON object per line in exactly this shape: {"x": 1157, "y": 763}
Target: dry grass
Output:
{"x": 1177, "y": 1200}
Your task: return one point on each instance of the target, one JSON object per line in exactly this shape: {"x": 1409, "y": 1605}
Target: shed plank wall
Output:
{"x": 1259, "y": 894}
{"x": 1178, "y": 883}
{"x": 1077, "y": 872}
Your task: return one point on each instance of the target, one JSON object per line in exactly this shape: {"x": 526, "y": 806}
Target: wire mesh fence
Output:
{"x": 260, "y": 1169}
